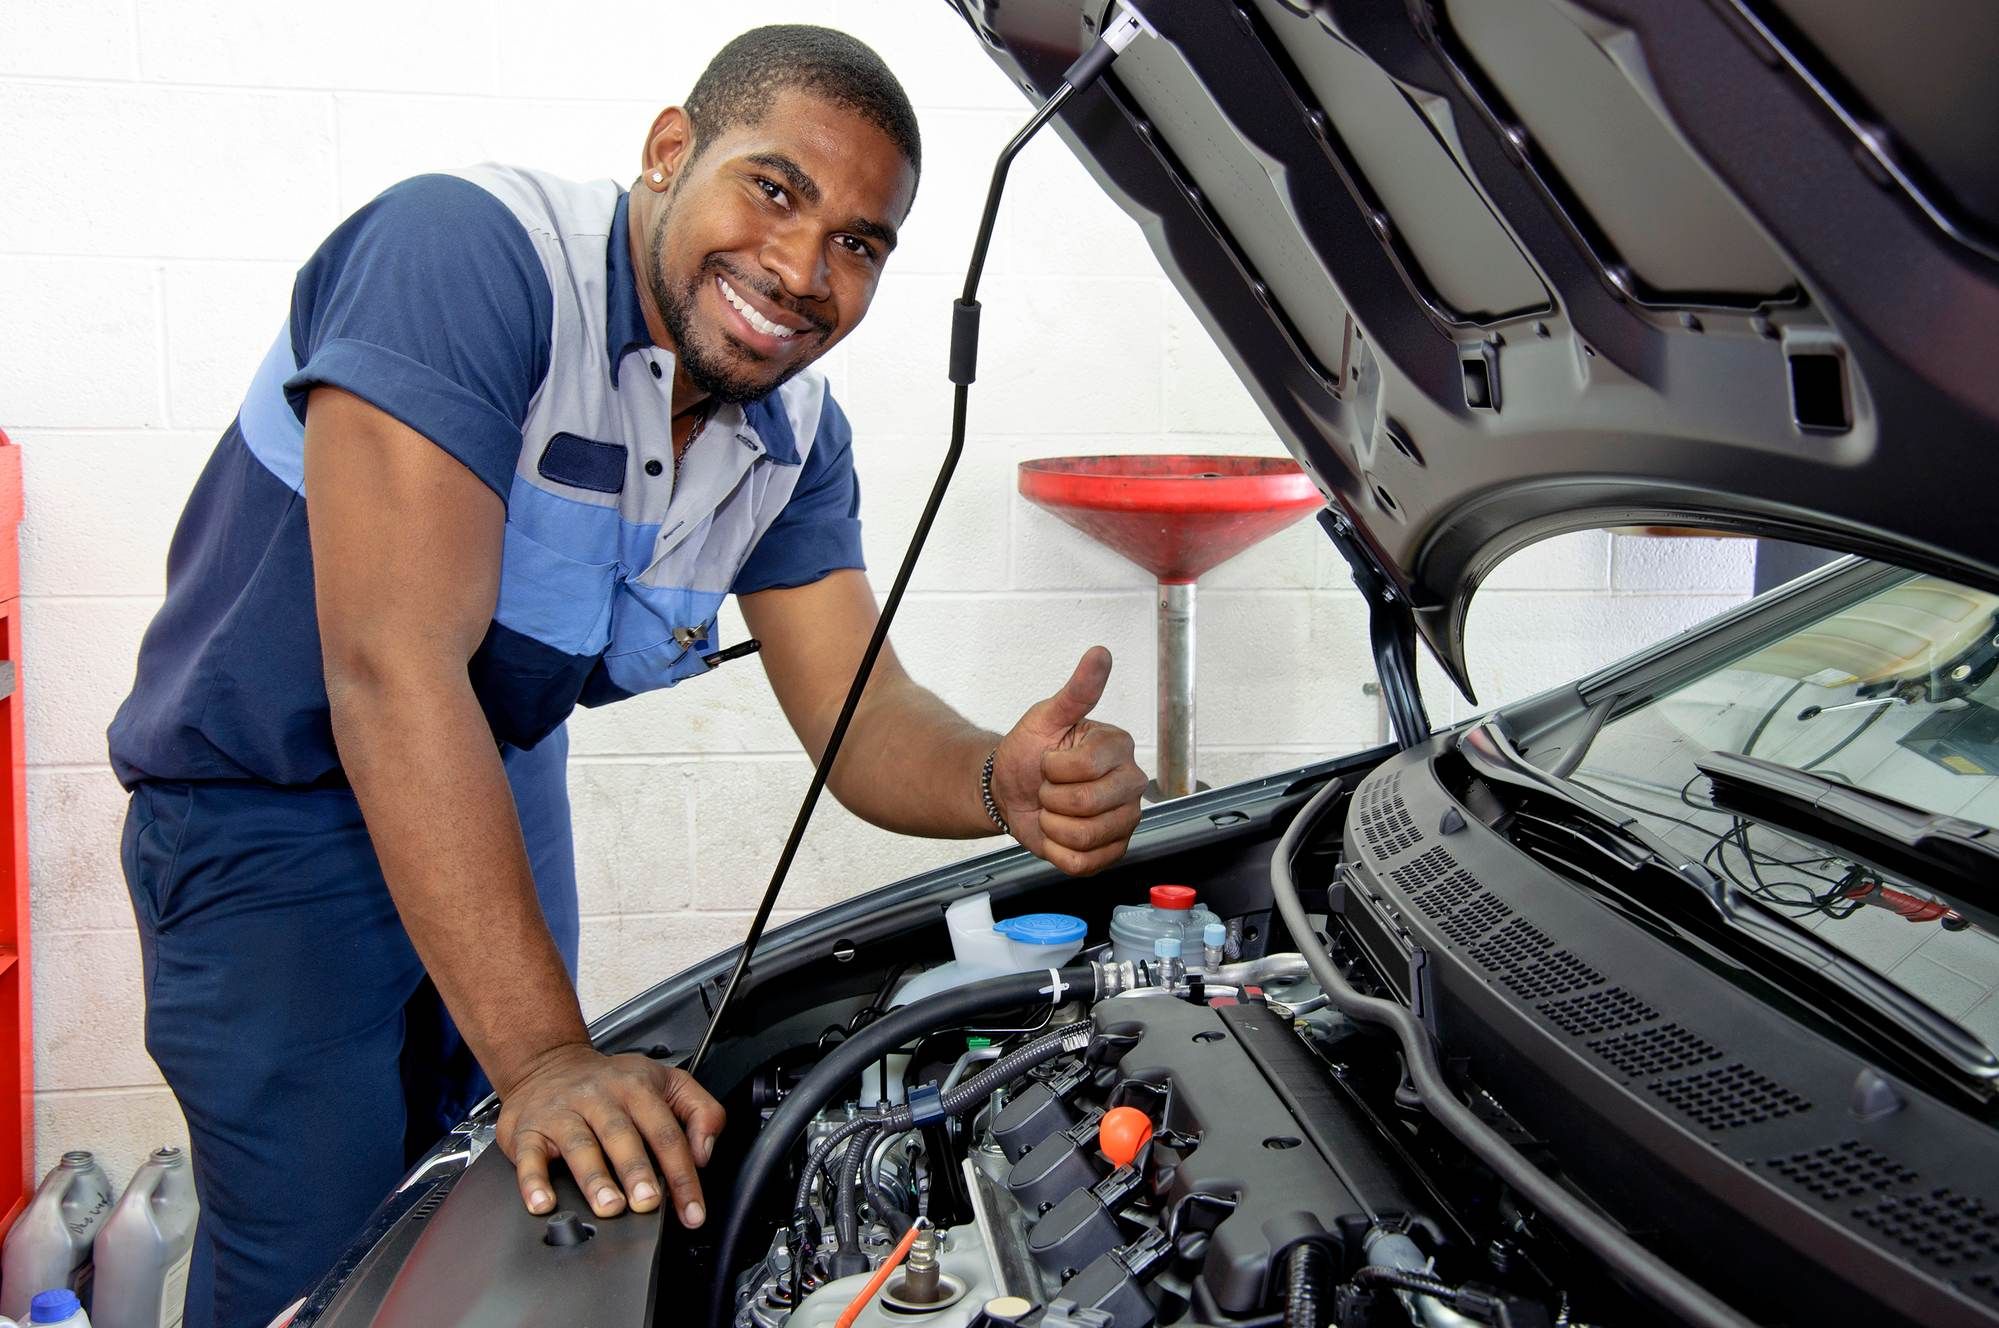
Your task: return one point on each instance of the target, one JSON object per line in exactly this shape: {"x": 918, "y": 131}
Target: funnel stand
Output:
{"x": 1176, "y": 690}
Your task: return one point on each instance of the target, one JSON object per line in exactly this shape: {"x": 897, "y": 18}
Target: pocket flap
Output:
{"x": 583, "y": 463}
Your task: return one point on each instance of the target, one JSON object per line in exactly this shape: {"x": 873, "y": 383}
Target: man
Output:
{"x": 541, "y": 429}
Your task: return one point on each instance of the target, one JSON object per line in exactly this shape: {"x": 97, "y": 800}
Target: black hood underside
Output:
{"x": 1499, "y": 269}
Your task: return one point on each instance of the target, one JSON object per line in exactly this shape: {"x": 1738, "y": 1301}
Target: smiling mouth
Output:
{"x": 756, "y": 320}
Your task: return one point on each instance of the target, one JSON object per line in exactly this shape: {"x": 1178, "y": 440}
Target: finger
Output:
{"x": 698, "y": 1112}
{"x": 1083, "y": 833}
{"x": 1075, "y": 863}
{"x": 586, "y": 1163}
{"x": 1093, "y": 758}
{"x": 1091, "y": 798}
{"x": 1079, "y": 695}
{"x": 625, "y": 1147}
{"x": 676, "y": 1160}
{"x": 531, "y": 1153}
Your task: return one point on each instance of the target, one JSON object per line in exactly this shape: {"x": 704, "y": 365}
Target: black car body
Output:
{"x": 1619, "y": 1005}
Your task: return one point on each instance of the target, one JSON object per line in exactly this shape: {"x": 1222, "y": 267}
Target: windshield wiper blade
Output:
{"x": 1947, "y": 853}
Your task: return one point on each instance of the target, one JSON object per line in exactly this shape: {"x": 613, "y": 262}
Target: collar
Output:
{"x": 624, "y": 321}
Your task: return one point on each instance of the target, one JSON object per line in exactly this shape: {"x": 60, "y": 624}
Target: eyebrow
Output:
{"x": 807, "y": 188}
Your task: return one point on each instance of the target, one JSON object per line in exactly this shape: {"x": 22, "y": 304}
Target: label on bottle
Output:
{"x": 173, "y": 1292}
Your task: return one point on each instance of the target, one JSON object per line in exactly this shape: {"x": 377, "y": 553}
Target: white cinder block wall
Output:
{"x": 169, "y": 163}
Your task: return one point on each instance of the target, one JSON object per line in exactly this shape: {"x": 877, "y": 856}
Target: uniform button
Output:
{"x": 654, "y": 468}
{"x": 657, "y": 372}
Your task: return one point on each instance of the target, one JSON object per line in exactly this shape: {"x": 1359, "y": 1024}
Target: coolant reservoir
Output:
{"x": 1171, "y": 910}
{"x": 48, "y": 1246}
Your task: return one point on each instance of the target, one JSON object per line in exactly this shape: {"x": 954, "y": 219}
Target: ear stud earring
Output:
{"x": 659, "y": 177}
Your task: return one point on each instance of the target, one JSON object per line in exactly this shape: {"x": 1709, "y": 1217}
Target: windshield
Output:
{"x": 1894, "y": 694}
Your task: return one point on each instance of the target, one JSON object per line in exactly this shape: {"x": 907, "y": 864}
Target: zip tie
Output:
{"x": 1056, "y": 987}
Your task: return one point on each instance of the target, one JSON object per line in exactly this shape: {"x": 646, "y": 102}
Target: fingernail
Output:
{"x": 693, "y": 1215}
{"x": 703, "y": 1146}
{"x": 538, "y": 1200}
{"x": 643, "y": 1193}
{"x": 606, "y": 1197}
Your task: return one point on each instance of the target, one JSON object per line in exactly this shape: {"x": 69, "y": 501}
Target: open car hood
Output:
{"x": 1498, "y": 269}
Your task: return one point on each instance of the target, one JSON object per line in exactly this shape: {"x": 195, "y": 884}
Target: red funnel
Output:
{"x": 1175, "y": 516}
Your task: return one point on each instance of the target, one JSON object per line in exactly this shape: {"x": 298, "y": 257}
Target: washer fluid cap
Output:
{"x": 1042, "y": 928}
{"x": 1172, "y": 896}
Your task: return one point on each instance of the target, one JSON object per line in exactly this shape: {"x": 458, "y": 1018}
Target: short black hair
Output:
{"x": 738, "y": 83}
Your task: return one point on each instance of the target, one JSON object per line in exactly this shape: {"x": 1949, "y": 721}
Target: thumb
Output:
{"x": 1080, "y": 694}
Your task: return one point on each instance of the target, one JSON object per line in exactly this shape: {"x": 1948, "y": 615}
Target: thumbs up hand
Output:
{"x": 1068, "y": 785}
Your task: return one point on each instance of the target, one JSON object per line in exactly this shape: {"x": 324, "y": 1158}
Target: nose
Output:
{"x": 795, "y": 256}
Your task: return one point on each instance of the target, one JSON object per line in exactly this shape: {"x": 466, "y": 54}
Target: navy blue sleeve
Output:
{"x": 819, "y": 530}
{"x": 431, "y": 304}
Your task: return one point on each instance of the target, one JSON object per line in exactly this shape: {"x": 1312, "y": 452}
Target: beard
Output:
{"x": 710, "y": 358}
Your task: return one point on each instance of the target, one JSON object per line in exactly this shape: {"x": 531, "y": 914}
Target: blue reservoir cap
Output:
{"x": 1042, "y": 928}
{"x": 1166, "y": 947}
{"x": 1214, "y": 934}
{"x": 53, "y": 1306}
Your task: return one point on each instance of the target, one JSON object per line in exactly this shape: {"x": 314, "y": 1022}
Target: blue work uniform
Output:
{"x": 496, "y": 312}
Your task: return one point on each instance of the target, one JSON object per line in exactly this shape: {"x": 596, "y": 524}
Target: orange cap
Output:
{"x": 1122, "y": 1133}
{"x": 1172, "y": 896}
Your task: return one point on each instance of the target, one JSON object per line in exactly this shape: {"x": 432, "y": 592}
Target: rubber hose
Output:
{"x": 1652, "y": 1275}
{"x": 847, "y": 1204}
{"x": 766, "y": 1157}
{"x": 1070, "y": 1037}
{"x": 885, "y": 1207}
{"x": 1408, "y": 1279}
{"x": 816, "y": 1160}
{"x": 1307, "y": 1270}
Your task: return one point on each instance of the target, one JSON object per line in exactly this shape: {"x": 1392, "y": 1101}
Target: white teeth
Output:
{"x": 755, "y": 319}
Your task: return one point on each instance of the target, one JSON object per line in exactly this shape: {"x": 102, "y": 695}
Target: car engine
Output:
{"x": 1159, "y": 1143}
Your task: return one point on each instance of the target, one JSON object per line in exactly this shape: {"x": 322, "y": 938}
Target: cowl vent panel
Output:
{"x": 1728, "y": 1098}
{"x": 1598, "y": 1012}
{"x": 1654, "y": 1051}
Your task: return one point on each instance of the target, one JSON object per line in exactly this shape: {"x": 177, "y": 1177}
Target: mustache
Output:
{"x": 771, "y": 293}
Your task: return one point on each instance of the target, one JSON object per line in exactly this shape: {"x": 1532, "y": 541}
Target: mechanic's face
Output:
{"x": 764, "y": 248}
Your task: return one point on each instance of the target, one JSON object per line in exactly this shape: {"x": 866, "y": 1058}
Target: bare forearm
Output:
{"x": 911, "y": 763}
{"x": 435, "y": 796}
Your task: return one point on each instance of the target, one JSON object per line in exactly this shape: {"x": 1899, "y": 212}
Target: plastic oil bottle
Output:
{"x": 49, "y": 1245}
{"x": 143, "y": 1248}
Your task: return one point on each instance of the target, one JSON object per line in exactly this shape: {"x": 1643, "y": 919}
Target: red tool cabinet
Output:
{"x": 17, "y": 1043}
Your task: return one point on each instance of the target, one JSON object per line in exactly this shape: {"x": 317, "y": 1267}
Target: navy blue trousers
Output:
{"x": 292, "y": 1019}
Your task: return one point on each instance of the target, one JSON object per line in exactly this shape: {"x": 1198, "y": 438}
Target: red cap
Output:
{"x": 1122, "y": 1133}
{"x": 1173, "y": 896}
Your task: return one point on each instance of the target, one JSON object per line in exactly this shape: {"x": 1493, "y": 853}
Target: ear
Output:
{"x": 667, "y": 148}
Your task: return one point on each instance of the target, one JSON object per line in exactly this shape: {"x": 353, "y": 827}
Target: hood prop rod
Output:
{"x": 1391, "y": 631}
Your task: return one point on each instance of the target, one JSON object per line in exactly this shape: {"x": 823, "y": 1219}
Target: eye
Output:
{"x": 772, "y": 191}
{"x": 855, "y": 245}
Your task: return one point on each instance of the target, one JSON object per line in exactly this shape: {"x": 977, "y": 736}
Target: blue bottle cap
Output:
{"x": 1166, "y": 947}
{"x": 1214, "y": 934}
{"x": 1042, "y": 928}
{"x": 53, "y": 1306}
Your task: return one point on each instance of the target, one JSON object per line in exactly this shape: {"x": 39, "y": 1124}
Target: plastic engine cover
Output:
{"x": 1251, "y": 1149}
